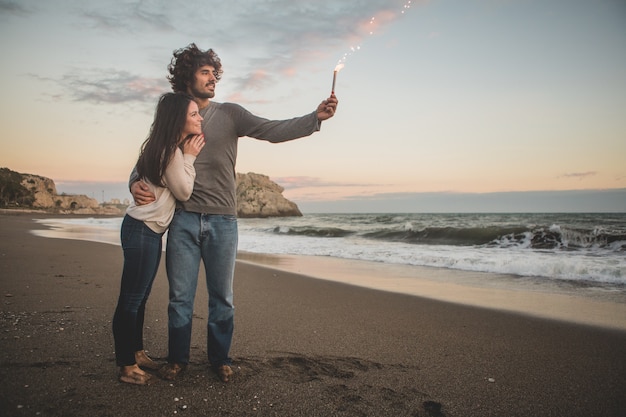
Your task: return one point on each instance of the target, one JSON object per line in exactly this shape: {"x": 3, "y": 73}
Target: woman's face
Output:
{"x": 193, "y": 126}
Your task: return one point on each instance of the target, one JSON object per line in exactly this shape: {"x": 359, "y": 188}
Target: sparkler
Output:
{"x": 354, "y": 49}
{"x": 337, "y": 69}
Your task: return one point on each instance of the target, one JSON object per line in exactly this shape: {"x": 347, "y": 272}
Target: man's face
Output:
{"x": 204, "y": 83}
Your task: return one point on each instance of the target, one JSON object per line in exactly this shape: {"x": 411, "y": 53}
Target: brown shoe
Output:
{"x": 224, "y": 373}
{"x": 171, "y": 371}
{"x": 144, "y": 361}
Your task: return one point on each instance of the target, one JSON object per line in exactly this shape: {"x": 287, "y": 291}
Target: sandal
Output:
{"x": 144, "y": 361}
{"x": 170, "y": 371}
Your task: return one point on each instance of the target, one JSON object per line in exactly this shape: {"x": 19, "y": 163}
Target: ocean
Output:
{"x": 585, "y": 248}
{"x": 580, "y": 249}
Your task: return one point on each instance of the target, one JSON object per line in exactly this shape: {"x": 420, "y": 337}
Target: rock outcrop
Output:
{"x": 34, "y": 192}
{"x": 46, "y": 197}
{"x": 258, "y": 196}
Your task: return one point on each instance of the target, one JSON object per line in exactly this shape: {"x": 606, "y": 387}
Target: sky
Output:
{"x": 444, "y": 105}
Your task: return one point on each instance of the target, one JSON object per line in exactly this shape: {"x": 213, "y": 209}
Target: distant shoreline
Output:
{"x": 48, "y": 213}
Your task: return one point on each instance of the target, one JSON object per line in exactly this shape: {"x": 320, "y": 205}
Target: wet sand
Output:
{"x": 558, "y": 301}
{"x": 303, "y": 347}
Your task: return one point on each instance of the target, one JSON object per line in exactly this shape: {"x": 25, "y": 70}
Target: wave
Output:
{"x": 552, "y": 237}
{"x": 444, "y": 235}
{"x": 313, "y": 231}
{"x": 556, "y": 237}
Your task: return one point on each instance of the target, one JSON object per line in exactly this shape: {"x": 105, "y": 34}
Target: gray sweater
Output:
{"x": 224, "y": 123}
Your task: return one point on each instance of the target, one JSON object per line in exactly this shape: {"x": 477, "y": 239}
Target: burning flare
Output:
{"x": 337, "y": 69}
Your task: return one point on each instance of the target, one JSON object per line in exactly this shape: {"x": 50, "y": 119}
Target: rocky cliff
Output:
{"x": 28, "y": 191}
{"x": 46, "y": 197}
{"x": 258, "y": 196}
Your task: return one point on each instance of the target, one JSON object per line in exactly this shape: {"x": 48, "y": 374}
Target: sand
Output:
{"x": 303, "y": 347}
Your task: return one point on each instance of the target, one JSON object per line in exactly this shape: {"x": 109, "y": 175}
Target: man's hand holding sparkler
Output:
{"x": 327, "y": 108}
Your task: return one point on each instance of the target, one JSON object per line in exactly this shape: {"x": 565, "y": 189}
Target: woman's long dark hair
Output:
{"x": 157, "y": 150}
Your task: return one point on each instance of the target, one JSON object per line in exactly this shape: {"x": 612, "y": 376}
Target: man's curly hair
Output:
{"x": 186, "y": 62}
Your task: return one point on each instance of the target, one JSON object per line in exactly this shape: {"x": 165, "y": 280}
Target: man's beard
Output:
{"x": 201, "y": 94}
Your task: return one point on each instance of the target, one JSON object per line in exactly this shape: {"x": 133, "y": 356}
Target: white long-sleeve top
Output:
{"x": 179, "y": 177}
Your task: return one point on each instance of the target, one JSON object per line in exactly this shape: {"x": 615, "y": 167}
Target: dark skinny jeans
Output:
{"x": 142, "y": 254}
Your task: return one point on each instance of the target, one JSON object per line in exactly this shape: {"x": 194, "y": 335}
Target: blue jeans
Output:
{"x": 212, "y": 238}
{"x": 142, "y": 254}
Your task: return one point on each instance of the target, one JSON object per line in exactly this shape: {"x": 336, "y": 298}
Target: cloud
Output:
{"x": 286, "y": 35}
{"x": 290, "y": 183}
{"x": 255, "y": 80}
{"x": 129, "y": 17}
{"x": 108, "y": 86}
{"x": 13, "y": 8}
{"x": 579, "y": 175}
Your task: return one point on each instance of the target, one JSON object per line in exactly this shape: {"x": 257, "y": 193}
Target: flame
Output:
{"x": 339, "y": 67}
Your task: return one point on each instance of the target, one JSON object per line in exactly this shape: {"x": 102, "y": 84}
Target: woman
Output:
{"x": 166, "y": 164}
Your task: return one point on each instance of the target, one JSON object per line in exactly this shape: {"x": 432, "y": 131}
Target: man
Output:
{"x": 205, "y": 227}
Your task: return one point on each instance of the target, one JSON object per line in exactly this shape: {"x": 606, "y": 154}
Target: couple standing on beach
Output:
{"x": 181, "y": 183}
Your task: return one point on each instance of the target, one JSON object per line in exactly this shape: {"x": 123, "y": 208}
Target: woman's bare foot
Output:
{"x": 134, "y": 375}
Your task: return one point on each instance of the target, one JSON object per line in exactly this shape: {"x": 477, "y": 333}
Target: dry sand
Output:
{"x": 302, "y": 347}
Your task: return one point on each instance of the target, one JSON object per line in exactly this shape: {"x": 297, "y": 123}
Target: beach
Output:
{"x": 303, "y": 346}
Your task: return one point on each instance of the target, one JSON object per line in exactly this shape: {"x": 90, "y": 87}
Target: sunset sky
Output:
{"x": 439, "y": 99}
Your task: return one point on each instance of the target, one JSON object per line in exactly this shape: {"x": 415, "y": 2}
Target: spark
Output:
{"x": 354, "y": 49}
